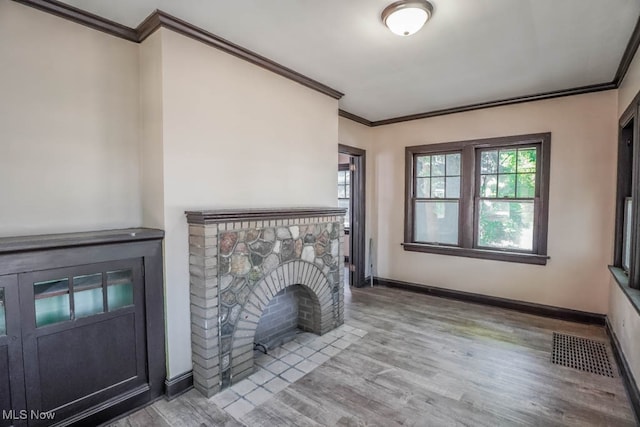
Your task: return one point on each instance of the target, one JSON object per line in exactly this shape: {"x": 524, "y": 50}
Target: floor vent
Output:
{"x": 581, "y": 353}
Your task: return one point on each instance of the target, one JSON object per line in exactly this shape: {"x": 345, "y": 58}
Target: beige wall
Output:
{"x": 234, "y": 135}
{"x": 69, "y": 121}
{"x": 359, "y": 136}
{"x": 624, "y": 319}
{"x": 151, "y": 131}
{"x": 581, "y": 214}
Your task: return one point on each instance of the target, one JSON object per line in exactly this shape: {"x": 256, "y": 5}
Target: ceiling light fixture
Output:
{"x": 406, "y": 17}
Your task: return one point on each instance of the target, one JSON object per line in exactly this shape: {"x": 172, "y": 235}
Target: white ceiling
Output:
{"x": 471, "y": 51}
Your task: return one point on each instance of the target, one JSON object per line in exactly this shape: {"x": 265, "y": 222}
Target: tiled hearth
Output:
{"x": 284, "y": 366}
{"x": 239, "y": 263}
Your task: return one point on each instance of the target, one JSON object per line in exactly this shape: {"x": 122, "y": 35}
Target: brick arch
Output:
{"x": 297, "y": 272}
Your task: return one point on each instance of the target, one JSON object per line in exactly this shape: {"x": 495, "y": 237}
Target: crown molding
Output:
{"x": 508, "y": 101}
{"x": 159, "y": 19}
{"x": 480, "y": 106}
{"x": 358, "y": 119}
{"x": 80, "y": 16}
{"x": 629, "y": 53}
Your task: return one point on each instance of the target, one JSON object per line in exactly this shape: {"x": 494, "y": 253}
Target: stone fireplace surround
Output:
{"x": 238, "y": 261}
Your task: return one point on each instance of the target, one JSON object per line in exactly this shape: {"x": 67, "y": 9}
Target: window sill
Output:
{"x": 633, "y": 295}
{"x": 477, "y": 253}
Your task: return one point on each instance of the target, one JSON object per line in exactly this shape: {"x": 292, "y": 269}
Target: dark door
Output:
{"x": 357, "y": 215}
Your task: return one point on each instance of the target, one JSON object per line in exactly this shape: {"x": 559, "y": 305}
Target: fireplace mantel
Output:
{"x": 234, "y": 215}
{"x": 239, "y": 260}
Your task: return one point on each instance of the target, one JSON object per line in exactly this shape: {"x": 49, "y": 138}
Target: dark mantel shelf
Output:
{"x": 65, "y": 240}
{"x": 233, "y": 215}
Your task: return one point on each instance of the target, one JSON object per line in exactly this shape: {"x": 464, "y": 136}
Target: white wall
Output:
{"x": 234, "y": 135}
{"x": 69, "y": 121}
{"x": 581, "y": 205}
{"x": 624, "y": 319}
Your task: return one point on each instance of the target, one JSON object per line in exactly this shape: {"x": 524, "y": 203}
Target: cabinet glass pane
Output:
{"x": 87, "y": 295}
{"x": 52, "y": 301}
{"x": 89, "y": 281}
{"x": 119, "y": 289}
{"x": 3, "y": 319}
{"x": 88, "y": 302}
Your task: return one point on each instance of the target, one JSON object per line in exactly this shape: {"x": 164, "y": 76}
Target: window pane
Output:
{"x": 52, "y": 301}
{"x": 453, "y": 164}
{"x": 341, "y": 177}
{"x": 423, "y": 187}
{"x": 526, "y": 185}
{"x": 344, "y": 203}
{"x": 88, "y": 303}
{"x": 453, "y": 187}
{"x": 506, "y": 186}
{"x": 437, "y": 167}
{"x": 527, "y": 160}
{"x": 437, "y": 187}
{"x": 347, "y": 191}
{"x": 341, "y": 192}
{"x": 506, "y": 225}
{"x": 119, "y": 289}
{"x": 489, "y": 162}
{"x": 488, "y": 185}
{"x": 507, "y": 162}
{"x": 423, "y": 166}
{"x": 626, "y": 234}
{"x": 347, "y": 176}
{"x": 436, "y": 222}
{"x": 3, "y": 319}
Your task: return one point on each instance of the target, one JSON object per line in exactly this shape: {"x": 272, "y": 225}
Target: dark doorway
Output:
{"x": 356, "y": 220}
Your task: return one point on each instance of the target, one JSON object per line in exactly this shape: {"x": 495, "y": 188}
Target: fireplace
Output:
{"x": 242, "y": 262}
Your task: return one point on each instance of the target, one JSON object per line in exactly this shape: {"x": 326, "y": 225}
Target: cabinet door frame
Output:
{"x": 31, "y": 333}
{"x": 13, "y": 341}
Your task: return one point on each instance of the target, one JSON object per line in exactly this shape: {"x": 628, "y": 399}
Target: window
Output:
{"x": 344, "y": 190}
{"x": 626, "y": 241}
{"x": 437, "y": 198}
{"x": 483, "y": 198}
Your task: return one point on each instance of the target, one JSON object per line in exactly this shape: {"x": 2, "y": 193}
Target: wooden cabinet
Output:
{"x": 81, "y": 326}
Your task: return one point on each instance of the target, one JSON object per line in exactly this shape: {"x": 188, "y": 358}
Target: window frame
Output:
{"x": 469, "y": 172}
{"x": 346, "y": 167}
{"x": 628, "y": 185}
{"x": 415, "y": 198}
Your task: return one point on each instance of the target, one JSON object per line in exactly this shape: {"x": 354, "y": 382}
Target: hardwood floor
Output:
{"x": 428, "y": 361}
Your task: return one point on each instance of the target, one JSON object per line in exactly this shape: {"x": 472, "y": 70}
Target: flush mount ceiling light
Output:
{"x": 406, "y": 17}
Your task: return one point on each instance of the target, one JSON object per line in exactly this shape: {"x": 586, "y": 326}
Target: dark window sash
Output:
{"x": 469, "y": 197}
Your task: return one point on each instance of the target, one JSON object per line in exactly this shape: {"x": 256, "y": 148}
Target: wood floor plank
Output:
{"x": 431, "y": 361}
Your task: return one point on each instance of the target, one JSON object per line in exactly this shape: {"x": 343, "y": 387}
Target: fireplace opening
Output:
{"x": 293, "y": 310}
